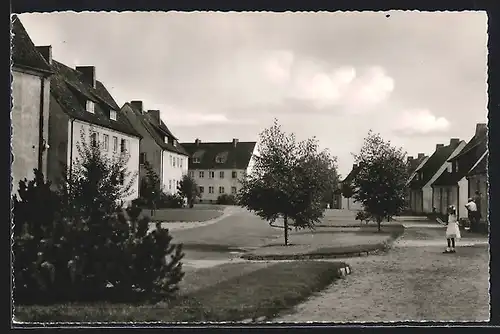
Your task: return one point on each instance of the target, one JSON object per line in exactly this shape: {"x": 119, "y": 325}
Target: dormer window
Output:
{"x": 196, "y": 160}
{"x": 90, "y": 106}
{"x": 112, "y": 115}
{"x": 221, "y": 158}
{"x": 448, "y": 168}
{"x": 175, "y": 143}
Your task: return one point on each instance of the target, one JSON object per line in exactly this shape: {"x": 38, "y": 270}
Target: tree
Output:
{"x": 150, "y": 188}
{"x": 347, "y": 191}
{"x": 381, "y": 179}
{"x": 288, "y": 181}
{"x": 188, "y": 189}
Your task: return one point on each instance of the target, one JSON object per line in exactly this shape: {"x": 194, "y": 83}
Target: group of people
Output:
{"x": 453, "y": 228}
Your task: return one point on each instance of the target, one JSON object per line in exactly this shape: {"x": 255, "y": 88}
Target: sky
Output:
{"x": 416, "y": 78}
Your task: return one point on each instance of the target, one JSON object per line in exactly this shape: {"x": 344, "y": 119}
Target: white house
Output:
{"x": 159, "y": 147}
{"x": 79, "y": 103}
{"x": 217, "y": 167}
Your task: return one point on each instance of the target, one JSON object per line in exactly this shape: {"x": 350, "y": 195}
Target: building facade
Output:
{"x": 31, "y": 76}
{"x": 452, "y": 187}
{"x": 159, "y": 147}
{"x": 347, "y": 203}
{"x": 421, "y": 194}
{"x": 217, "y": 167}
{"x": 477, "y": 179}
{"x": 82, "y": 109}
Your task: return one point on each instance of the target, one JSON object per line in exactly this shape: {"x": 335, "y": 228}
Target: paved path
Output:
{"x": 414, "y": 281}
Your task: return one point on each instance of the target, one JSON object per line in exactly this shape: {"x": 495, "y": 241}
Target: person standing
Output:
{"x": 452, "y": 230}
{"x": 472, "y": 213}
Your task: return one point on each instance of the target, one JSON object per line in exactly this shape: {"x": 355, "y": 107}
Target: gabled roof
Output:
{"x": 350, "y": 177}
{"x": 419, "y": 166}
{"x": 431, "y": 167}
{"x": 157, "y": 131}
{"x": 238, "y": 157}
{"x": 466, "y": 159}
{"x": 480, "y": 167}
{"x": 71, "y": 91}
{"x": 24, "y": 52}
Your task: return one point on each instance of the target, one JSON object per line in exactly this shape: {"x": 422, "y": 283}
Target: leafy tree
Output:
{"x": 381, "y": 179}
{"x": 289, "y": 180}
{"x": 188, "y": 189}
{"x": 150, "y": 188}
{"x": 347, "y": 191}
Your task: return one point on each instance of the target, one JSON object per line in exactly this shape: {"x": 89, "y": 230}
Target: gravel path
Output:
{"x": 414, "y": 281}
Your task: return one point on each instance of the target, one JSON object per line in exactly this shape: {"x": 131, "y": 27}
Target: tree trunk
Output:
{"x": 348, "y": 203}
{"x": 379, "y": 222}
{"x": 285, "y": 222}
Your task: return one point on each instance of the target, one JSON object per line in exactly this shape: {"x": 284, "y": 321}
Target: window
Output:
{"x": 93, "y": 139}
{"x": 210, "y": 190}
{"x": 181, "y": 162}
{"x": 233, "y": 190}
{"x": 105, "y": 142}
{"x": 191, "y": 174}
{"x": 448, "y": 168}
{"x": 173, "y": 161}
{"x": 202, "y": 189}
{"x": 122, "y": 146}
{"x": 219, "y": 160}
{"x": 178, "y": 162}
{"x": 112, "y": 115}
{"x": 170, "y": 159}
{"x": 196, "y": 160}
{"x": 221, "y": 174}
{"x": 170, "y": 184}
{"x": 202, "y": 174}
{"x": 175, "y": 143}
{"x": 211, "y": 175}
{"x": 234, "y": 174}
{"x": 456, "y": 166}
{"x": 221, "y": 190}
{"x": 142, "y": 158}
{"x": 115, "y": 143}
{"x": 90, "y": 106}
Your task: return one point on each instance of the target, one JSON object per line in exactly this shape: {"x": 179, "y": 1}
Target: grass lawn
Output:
{"x": 262, "y": 292}
{"x": 183, "y": 215}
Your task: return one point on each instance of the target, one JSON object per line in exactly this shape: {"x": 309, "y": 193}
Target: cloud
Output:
{"x": 325, "y": 85}
{"x": 173, "y": 117}
{"x": 420, "y": 122}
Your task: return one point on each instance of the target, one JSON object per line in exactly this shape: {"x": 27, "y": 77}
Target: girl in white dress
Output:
{"x": 452, "y": 229}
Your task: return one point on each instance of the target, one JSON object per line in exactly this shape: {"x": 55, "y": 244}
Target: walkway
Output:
{"x": 414, "y": 281}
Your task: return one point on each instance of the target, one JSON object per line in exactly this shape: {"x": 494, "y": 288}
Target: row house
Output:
{"x": 31, "y": 76}
{"x": 421, "y": 191}
{"x": 462, "y": 177}
{"x": 81, "y": 105}
{"x": 217, "y": 167}
{"x": 412, "y": 164}
{"x": 159, "y": 147}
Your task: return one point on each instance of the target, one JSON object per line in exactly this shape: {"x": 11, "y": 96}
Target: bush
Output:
{"x": 170, "y": 201}
{"x": 74, "y": 246}
{"x": 226, "y": 199}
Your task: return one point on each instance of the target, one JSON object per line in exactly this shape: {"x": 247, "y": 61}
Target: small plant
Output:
{"x": 226, "y": 199}
{"x": 364, "y": 216}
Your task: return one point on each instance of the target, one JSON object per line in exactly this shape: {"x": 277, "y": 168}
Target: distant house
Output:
{"x": 421, "y": 199}
{"x": 348, "y": 203}
{"x": 30, "y": 106}
{"x": 477, "y": 176}
{"x": 80, "y": 102}
{"x": 452, "y": 187}
{"x": 412, "y": 164}
{"x": 159, "y": 147}
{"x": 217, "y": 166}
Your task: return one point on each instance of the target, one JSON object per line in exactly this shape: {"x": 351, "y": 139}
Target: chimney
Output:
{"x": 46, "y": 52}
{"x": 197, "y": 142}
{"x": 235, "y": 141}
{"x": 410, "y": 159}
{"x": 88, "y": 73}
{"x": 439, "y": 146}
{"x": 155, "y": 115}
{"x": 420, "y": 156}
{"x": 481, "y": 128}
{"x": 454, "y": 142}
{"x": 354, "y": 166}
{"x": 138, "y": 105}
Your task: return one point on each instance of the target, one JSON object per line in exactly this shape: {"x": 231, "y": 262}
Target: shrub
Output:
{"x": 86, "y": 249}
{"x": 170, "y": 201}
{"x": 226, "y": 199}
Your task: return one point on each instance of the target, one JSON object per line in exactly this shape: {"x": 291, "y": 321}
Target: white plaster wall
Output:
{"x": 463, "y": 196}
{"x": 172, "y": 174}
{"x": 132, "y": 148}
{"x": 227, "y": 182}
